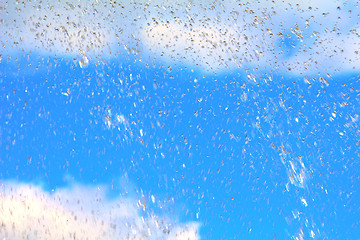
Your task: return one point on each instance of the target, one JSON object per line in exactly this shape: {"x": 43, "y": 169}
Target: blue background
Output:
{"x": 216, "y": 147}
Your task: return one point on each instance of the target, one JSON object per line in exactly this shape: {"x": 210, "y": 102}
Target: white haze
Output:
{"x": 215, "y": 36}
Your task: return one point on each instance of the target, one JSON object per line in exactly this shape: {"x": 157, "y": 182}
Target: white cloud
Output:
{"x": 223, "y": 36}
{"x": 215, "y": 36}
{"x": 80, "y": 212}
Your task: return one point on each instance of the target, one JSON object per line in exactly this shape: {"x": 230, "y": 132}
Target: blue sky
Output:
{"x": 247, "y": 152}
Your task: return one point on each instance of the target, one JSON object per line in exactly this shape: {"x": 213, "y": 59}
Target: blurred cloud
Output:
{"x": 300, "y": 37}
{"x": 80, "y": 212}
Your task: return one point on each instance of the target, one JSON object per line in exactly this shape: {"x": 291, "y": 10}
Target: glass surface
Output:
{"x": 179, "y": 119}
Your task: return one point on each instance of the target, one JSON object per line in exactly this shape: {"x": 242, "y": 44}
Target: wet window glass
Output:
{"x": 179, "y": 119}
